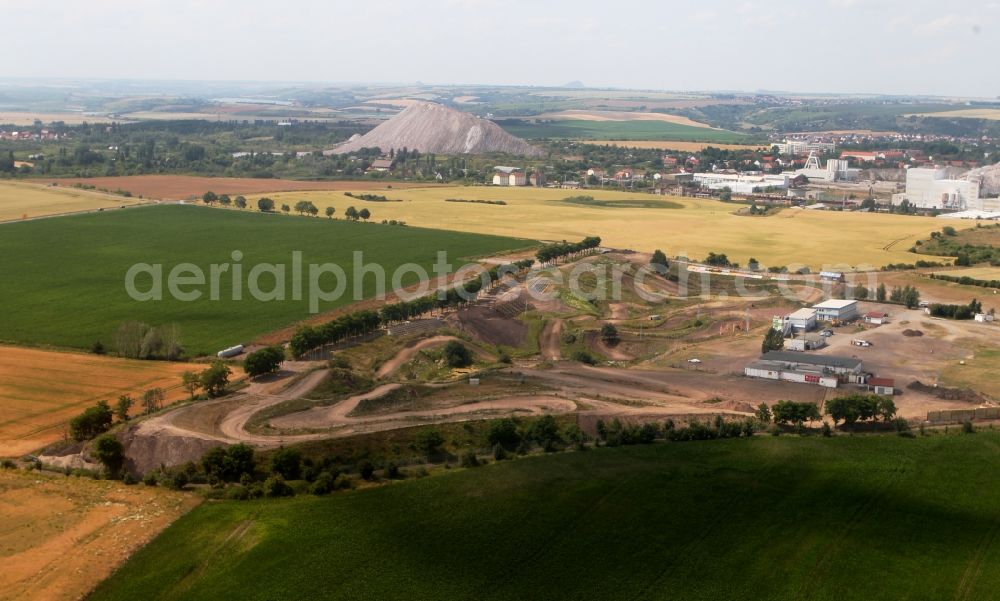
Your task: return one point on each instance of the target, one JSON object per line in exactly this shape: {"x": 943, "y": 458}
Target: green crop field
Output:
{"x": 862, "y": 517}
{"x": 64, "y": 278}
{"x": 623, "y": 130}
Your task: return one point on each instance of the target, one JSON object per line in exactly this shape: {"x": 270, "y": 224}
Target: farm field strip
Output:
{"x": 698, "y": 227}
{"x": 976, "y": 273}
{"x": 20, "y": 200}
{"x": 686, "y": 515}
{"x": 41, "y": 390}
{"x": 92, "y": 300}
{"x": 183, "y": 187}
{"x": 667, "y": 145}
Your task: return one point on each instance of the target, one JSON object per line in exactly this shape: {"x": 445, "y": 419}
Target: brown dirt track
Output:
{"x": 61, "y": 536}
{"x": 180, "y": 187}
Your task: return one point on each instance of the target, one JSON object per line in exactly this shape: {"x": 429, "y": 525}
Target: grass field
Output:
{"x": 976, "y": 273}
{"x": 24, "y": 201}
{"x": 623, "y": 130}
{"x": 28, "y": 118}
{"x": 981, "y": 113}
{"x": 667, "y": 145}
{"x": 40, "y": 391}
{"x": 695, "y": 228}
{"x": 772, "y": 518}
{"x": 64, "y": 279}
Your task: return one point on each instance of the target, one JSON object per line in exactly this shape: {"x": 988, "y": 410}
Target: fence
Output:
{"x": 963, "y": 415}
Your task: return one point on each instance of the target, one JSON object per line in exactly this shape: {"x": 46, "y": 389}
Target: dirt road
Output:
{"x": 551, "y": 339}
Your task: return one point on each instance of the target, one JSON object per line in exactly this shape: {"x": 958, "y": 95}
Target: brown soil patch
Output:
{"x": 62, "y": 536}
{"x": 40, "y": 391}
{"x": 490, "y": 327}
{"x": 181, "y": 187}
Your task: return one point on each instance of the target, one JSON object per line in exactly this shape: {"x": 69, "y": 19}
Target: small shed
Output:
{"x": 883, "y": 386}
{"x": 876, "y": 318}
{"x": 806, "y": 342}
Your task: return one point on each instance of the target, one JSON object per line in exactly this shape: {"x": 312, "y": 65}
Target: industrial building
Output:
{"x": 806, "y": 342}
{"x": 509, "y": 176}
{"x": 827, "y": 371}
{"x": 742, "y": 183}
{"x": 803, "y": 320}
{"x": 883, "y": 386}
{"x": 837, "y": 310}
{"x": 835, "y": 170}
{"x": 937, "y": 188}
{"x": 803, "y": 147}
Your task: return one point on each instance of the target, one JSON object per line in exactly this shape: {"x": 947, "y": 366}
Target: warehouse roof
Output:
{"x": 835, "y": 303}
{"x": 804, "y": 313}
{"x": 821, "y": 360}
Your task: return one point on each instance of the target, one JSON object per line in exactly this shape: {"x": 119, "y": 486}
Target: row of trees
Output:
{"x": 307, "y": 338}
{"x": 956, "y": 311}
{"x": 558, "y": 250}
{"x": 849, "y": 409}
{"x": 138, "y": 340}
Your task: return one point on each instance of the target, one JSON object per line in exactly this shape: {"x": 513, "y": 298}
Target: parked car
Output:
{"x": 826, "y": 333}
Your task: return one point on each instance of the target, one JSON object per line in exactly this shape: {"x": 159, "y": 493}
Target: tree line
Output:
{"x": 307, "y": 338}
{"x": 558, "y": 250}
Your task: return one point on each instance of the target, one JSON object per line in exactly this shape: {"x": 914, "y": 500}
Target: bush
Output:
{"x": 367, "y": 470}
{"x": 968, "y": 428}
{"x": 149, "y": 479}
{"x": 110, "y": 452}
{"x": 503, "y": 432}
{"x": 287, "y": 463}
{"x": 457, "y": 355}
{"x": 430, "y": 442}
{"x": 499, "y": 454}
{"x": 93, "y": 422}
{"x": 276, "y": 486}
{"x": 469, "y": 459}
{"x": 392, "y": 471}
{"x": 8, "y": 464}
{"x": 324, "y": 484}
{"x": 584, "y": 357}
{"x": 826, "y": 430}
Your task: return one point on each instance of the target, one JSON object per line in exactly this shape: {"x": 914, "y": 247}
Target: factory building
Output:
{"x": 827, "y": 371}
{"x": 836, "y": 310}
{"x": 742, "y": 183}
{"x": 836, "y": 170}
{"x": 935, "y": 188}
{"x": 803, "y": 320}
{"x": 804, "y": 147}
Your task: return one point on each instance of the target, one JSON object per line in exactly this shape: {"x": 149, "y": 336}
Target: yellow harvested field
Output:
{"x": 976, "y": 273}
{"x": 20, "y": 200}
{"x": 696, "y": 227}
{"x": 40, "y": 391}
{"x": 62, "y": 536}
{"x": 667, "y": 145}
{"x": 28, "y": 118}
{"x": 983, "y": 113}
{"x": 591, "y": 115}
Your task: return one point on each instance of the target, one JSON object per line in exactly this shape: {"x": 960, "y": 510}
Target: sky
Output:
{"x": 919, "y": 47}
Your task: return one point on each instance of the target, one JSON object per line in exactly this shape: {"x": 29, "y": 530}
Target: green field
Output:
{"x": 623, "y": 130}
{"x": 861, "y": 517}
{"x": 64, "y": 279}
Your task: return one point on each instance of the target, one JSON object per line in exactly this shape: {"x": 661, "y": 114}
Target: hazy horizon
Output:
{"x": 879, "y": 47}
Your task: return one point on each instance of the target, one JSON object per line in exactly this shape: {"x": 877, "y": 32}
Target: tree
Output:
{"x": 287, "y": 462}
{"x": 457, "y": 355}
{"x": 764, "y": 413}
{"x": 110, "y": 452}
{"x": 266, "y": 205}
{"x": 773, "y": 341}
{"x": 726, "y": 194}
{"x": 880, "y": 294}
{"x": 609, "y": 334}
{"x": 503, "y": 432}
{"x": 229, "y": 464}
{"x": 215, "y": 379}
{"x": 285, "y": 208}
{"x": 191, "y": 382}
{"x": 92, "y": 422}
{"x": 241, "y": 202}
{"x": 152, "y": 399}
{"x": 659, "y": 262}
{"x": 209, "y": 197}
{"x": 123, "y": 406}
{"x": 790, "y": 412}
{"x": 364, "y": 214}
{"x": 430, "y": 442}
{"x": 224, "y": 200}
{"x": 886, "y": 409}
{"x": 329, "y": 212}
{"x": 352, "y": 214}
{"x": 264, "y": 361}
